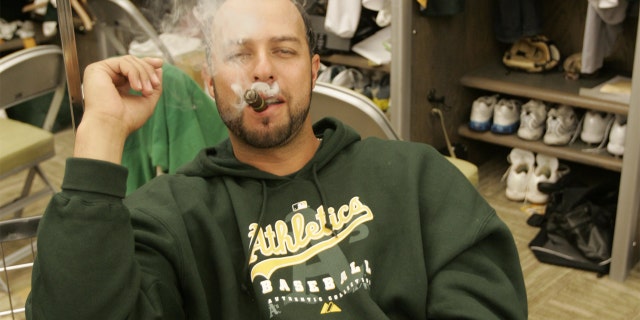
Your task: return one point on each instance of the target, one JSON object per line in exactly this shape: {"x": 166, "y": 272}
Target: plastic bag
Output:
{"x": 577, "y": 229}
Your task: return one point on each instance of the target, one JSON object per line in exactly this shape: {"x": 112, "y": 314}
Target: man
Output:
{"x": 282, "y": 221}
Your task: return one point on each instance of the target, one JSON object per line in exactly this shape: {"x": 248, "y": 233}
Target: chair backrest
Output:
{"x": 352, "y": 108}
{"x": 30, "y": 73}
{"x": 18, "y": 250}
{"x": 125, "y": 18}
{"x": 360, "y": 113}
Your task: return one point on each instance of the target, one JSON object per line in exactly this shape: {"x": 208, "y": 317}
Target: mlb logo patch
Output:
{"x": 299, "y": 206}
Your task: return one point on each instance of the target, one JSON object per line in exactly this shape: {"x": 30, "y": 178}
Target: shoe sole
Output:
{"x": 479, "y": 126}
{"x": 528, "y": 134}
{"x": 617, "y": 150}
{"x": 504, "y": 129}
{"x": 590, "y": 137}
{"x": 515, "y": 195}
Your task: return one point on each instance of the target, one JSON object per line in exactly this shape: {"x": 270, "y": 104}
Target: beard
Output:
{"x": 268, "y": 134}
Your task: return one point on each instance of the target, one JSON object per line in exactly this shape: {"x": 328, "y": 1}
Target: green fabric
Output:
{"x": 185, "y": 121}
{"x": 408, "y": 238}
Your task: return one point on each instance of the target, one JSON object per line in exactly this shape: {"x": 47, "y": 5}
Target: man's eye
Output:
{"x": 238, "y": 56}
{"x": 285, "y": 52}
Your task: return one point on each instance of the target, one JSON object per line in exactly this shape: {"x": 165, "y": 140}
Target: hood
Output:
{"x": 220, "y": 160}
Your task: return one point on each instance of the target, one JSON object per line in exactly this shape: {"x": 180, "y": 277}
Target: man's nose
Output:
{"x": 263, "y": 69}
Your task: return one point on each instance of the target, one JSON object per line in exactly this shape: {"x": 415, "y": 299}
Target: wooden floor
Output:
{"x": 553, "y": 292}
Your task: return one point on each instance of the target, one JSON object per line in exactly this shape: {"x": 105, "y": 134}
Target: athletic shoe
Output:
{"x": 482, "y": 113}
{"x": 561, "y": 125}
{"x": 506, "y": 116}
{"x": 532, "y": 120}
{"x": 350, "y": 78}
{"x": 329, "y": 73}
{"x": 617, "y": 136}
{"x": 546, "y": 171}
{"x": 594, "y": 126}
{"x": 519, "y": 173}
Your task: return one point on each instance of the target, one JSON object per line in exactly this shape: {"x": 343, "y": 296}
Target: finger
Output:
{"x": 140, "y": 73}
{"x": 156, "y": 63}
{"x": 136, "y": 72}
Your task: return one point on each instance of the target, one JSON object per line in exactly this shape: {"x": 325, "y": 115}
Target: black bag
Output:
{"x": 577, "y": 228}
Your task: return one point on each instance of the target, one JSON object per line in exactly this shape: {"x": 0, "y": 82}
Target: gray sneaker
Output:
{"x": 562, "y": 122}
{"x": 532, "y": 120}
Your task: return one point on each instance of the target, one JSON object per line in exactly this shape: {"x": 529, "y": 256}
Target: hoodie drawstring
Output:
{"x": 323, "y": 200}
{"x": 247, "y": 286}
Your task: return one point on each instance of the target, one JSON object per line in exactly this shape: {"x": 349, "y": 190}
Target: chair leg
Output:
{"x": 6, "y": 285}
{"x": 46, "y": 180}
{"x": 28, "y": 182}
{"x": 17, "y": 206}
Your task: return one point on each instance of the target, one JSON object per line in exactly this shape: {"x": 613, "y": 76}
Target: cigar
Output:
{"x": 254, "y": 100}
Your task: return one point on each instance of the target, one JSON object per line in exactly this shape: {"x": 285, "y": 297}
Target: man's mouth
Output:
{"x": 257, "y": 102}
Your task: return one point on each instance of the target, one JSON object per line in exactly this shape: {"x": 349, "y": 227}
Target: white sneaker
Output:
{"x": 329, "y": 73}
{"x": 617, "y": 136}
{"x": 506, "y": 116}
{"x": 546, "y": 170}
{"x": 519, "y": 173}
{"x": 350, "y": 78}
{"x": 594, "y": 126}
{"x": 482, "y": 113}
{"x": 561, "y": 125}
{"x": 532, "y": 120}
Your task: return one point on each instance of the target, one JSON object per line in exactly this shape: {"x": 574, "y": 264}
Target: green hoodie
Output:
{"x": 368, "y": 229}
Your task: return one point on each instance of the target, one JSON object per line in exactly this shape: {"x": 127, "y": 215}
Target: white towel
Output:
{"x": 342, "y": 17}
{"x": 602, "y": 27}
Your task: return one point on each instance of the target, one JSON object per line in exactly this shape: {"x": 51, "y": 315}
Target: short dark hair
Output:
{"x": 311, "y": 36}
{"x": 206, "y": 19}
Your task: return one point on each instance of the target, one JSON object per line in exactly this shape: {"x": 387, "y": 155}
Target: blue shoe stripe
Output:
{"x": 508, "y": 129}
{"x": 479, "y": 126}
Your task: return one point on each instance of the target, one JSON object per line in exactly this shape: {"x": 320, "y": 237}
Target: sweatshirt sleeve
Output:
{"x": 484, "y": 281}
{"x": 474, "y": 269}
{"x": 86, "y": 267}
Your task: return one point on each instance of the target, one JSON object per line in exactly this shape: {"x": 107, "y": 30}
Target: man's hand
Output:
{"x": 111, "y": 111}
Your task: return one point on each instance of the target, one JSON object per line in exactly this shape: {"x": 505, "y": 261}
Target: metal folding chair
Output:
{"x": 25, "y": 75}
{"x": 18, "y": 250}
{"x": 360, "y": 113}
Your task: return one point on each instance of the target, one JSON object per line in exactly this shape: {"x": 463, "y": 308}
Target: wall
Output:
{"x": 444, "y": 48}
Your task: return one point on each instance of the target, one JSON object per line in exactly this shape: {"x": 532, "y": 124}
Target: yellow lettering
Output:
{"x": 282, "y": 236}
{"x": 278, "y": 240}
{"x": 299, "y": 239}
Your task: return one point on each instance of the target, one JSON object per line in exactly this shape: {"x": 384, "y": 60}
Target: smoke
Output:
{"x": 195, "y": 18}
{"x": 269, "y": 92}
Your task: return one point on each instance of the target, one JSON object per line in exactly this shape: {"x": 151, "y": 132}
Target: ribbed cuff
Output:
{"x": 95, "y": 176}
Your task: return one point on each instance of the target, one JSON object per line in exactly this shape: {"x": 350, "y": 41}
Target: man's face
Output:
{"x": 262, "y": 41}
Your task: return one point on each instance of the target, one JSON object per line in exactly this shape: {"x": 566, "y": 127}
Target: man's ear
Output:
{"x": 315, "y": 69}
{"x": 209, "y": 83}
{"x": 207, "y": 80}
